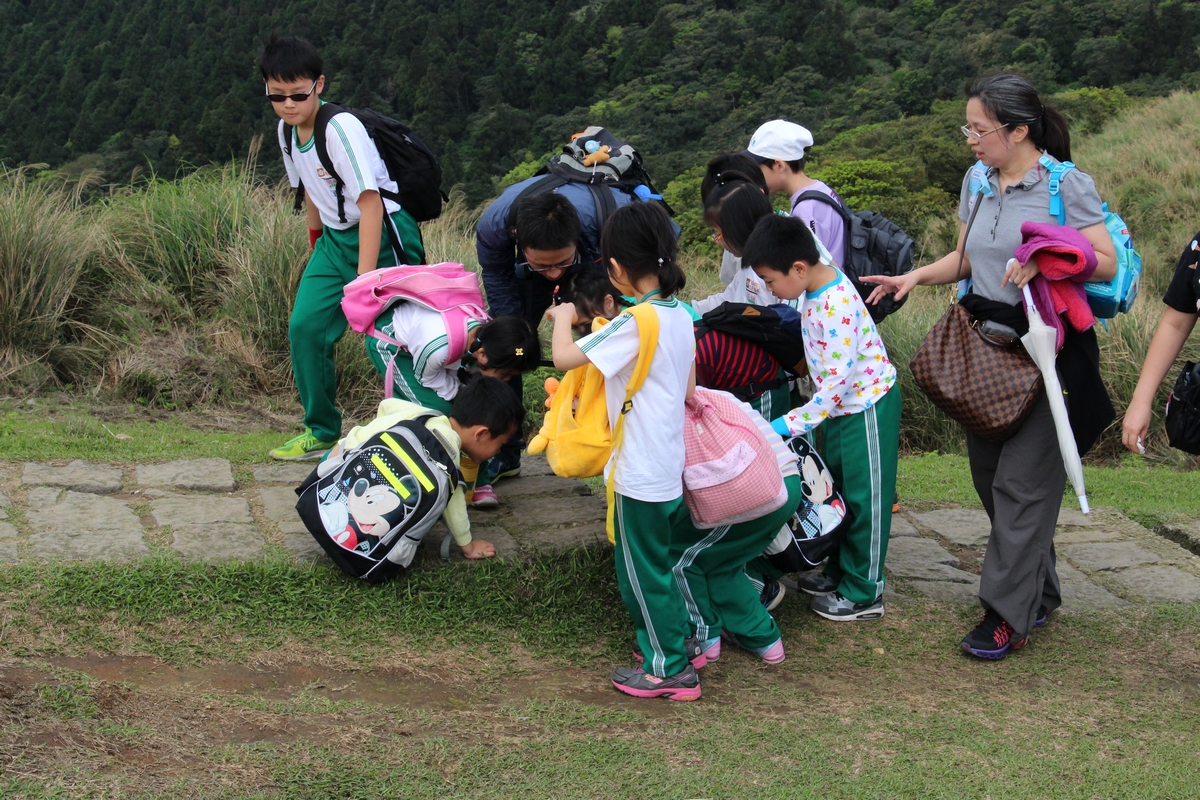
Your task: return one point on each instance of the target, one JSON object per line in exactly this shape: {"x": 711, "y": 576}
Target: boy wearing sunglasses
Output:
{"x": 292, "y": 72}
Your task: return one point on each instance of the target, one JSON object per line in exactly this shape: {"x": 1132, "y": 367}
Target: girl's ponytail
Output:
{"x": 641, "y": 238}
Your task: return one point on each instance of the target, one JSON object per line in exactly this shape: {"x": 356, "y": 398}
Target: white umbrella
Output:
{"x": 1041, "y": 343}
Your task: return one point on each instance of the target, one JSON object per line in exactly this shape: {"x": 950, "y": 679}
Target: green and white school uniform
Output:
{"x": 317, "y": 321}
{"x": 648, "y": 476}
{"x": 426, "y": 372}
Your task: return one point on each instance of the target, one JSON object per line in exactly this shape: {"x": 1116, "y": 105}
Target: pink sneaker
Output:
{"x": 772, "y": 654}
{"x": 485, "y": 497}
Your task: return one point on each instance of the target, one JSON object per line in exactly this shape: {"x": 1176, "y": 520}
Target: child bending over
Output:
{"x": 856, "y": 403}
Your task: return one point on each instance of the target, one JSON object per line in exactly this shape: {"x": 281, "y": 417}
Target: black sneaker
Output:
{"x": 992, "y": 638}
{"x": 499, "y": 467}
{"x": 817, "y": 584}
{"x": 772, "y": 593}
{"x": 639, "y": 683}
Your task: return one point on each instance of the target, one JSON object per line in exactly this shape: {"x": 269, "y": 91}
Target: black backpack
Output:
{"x": 874, "y": 246}
{"x": 409, "y": 161}
{"x": 769, "y": 327}
{"x": 623, "y": 170}
{"x": 370, "y": 508}
{"x": 1183, "y": 411}
{"x": 820, "y": 523}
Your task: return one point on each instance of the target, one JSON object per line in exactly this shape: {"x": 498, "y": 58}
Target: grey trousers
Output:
{"x": 1020, "y": 483}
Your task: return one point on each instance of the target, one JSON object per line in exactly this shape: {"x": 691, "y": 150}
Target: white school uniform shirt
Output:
{"x": 651, "y": 457}
{"x": 744, "y": 286}
{"x": 846, "y": 357}
{"x": 353, "y": 155}
{"x": 423, "y": 334}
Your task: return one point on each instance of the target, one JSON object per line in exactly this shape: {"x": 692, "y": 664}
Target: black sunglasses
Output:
{"x": 295, "y": 98}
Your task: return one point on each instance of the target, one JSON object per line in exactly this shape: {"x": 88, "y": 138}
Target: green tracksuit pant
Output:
{"x": 643, "y": 533}
{"x": 317, "y": 321}
{"x": 405, "y": 383}
{"x": 708, "y": 567}
{"x": 861, "y": 451}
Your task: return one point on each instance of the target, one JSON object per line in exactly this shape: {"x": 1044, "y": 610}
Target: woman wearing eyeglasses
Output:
{"x": 1018, "y": 141}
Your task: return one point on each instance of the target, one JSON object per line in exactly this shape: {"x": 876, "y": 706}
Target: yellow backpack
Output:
{"x": 575, "y": 433}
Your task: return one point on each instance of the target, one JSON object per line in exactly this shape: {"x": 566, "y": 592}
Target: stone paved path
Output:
{"x": 202, "y": 509}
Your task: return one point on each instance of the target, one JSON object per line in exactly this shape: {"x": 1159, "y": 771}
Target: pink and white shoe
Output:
{"x": 639, "y": 683}
{"x": 485, "y": 497}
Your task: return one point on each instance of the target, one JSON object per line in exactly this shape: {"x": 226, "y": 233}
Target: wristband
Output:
{"x": 780, "y": 426}
{"x": 313, "y": 235}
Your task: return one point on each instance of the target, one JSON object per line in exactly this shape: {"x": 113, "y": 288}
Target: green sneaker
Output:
{"x": 304, "y": 447}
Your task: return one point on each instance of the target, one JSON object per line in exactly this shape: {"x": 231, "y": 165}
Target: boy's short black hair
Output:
{"x": 547, "y": 221}
{"x": 778, "y": 242}
{"x": 510, "y": 343}
{"x": 289, "y": 58}
{"x": 489, "y": 402}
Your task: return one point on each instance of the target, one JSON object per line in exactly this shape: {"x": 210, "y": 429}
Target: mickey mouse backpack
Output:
{"x": 816, "y": 530}
{"x": 370, "y": 507}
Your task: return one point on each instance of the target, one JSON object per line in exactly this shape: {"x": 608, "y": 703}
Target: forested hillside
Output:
{"x": 493, "y": 85}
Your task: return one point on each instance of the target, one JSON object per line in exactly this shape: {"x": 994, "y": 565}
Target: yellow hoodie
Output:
{"x": 392, "y": 411}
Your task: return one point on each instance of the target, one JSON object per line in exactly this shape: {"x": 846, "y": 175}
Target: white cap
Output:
{"x": 780, "y": 139}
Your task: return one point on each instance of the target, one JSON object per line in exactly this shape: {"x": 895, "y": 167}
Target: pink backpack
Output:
{"x": 448, "y": 288}
{"x": 731, "y": 474}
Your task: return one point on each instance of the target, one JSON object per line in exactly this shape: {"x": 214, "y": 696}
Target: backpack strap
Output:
{"x": 978, "y": 183}
{"x": 1057, "y": 170}
{"x": 324, "y": 114}
{"x": 606, "y": 205}
{"x": 843, "y": 212}
{"x": 647, "y": 320}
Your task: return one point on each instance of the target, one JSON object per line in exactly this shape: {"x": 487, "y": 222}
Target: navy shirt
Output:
{"x": 497, "y": 248}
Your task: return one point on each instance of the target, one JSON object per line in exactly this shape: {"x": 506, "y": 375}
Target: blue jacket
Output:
{"x": 497, "y": 249}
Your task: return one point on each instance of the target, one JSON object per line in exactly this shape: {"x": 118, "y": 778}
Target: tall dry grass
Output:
{"x": 46, "y": 241}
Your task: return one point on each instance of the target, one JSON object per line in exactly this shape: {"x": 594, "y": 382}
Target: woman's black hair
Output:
{"x": 289, "y": 58}
{"x": 510, "y": 343}
{"x": 640, "y": 236}
{"x": 588, "y": 290}
{"x": 736, "y": 212}
{"x": 1012, "y": 101}
{"x": 729, "y": 168}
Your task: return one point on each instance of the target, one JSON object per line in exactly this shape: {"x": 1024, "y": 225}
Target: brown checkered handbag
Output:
{"x": 986, "y": 384}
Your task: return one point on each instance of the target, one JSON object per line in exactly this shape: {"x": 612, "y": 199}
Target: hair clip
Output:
{"x": 660, "y": 262}
{"x": 520, "y": 351}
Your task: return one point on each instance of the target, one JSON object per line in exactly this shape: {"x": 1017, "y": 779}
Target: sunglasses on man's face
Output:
{"x": 295, "y": 98}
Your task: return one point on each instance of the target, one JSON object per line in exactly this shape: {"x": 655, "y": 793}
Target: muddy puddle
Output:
{"x": 386, "y": 687}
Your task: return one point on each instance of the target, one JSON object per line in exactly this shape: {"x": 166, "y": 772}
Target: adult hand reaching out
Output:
{"x": 899, "y": 285}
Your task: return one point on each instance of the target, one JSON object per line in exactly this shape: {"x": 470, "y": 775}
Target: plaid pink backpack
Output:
{"x": 731, "y": 473}
{"x": 448, "y": 288}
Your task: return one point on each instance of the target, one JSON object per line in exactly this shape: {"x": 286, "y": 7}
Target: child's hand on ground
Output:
{"x": 563, "y": 310}
{"x": 479, "y": 548}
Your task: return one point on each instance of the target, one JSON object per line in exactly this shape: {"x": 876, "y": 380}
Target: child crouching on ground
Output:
{"x": 485, "y": 414}
{"x": 425, "y": 372}
{"x": 857, "y": 405}
{"x": 638, "y": 248}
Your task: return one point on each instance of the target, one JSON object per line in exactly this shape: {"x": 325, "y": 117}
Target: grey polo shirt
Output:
{"x": 996, "y": 233}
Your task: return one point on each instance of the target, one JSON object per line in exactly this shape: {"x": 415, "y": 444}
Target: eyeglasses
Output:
{"x": 970, "y": 134}
{"x": 295, "y": 98}
{"x": 540, "y": 268}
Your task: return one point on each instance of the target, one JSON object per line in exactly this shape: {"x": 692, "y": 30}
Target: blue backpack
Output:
{"x": 1106, "y": 299}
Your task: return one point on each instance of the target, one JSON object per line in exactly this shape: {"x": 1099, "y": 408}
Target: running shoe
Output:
{"x": 839, "y": 609}
{"x": 485, "y": 497}
{"x": 772, "y": 593}
{"x": 992, "y": 638}
{"x": 304, "y": 447}
{"x": 638, "y": 683}
{"x": 699, "y": 653}
{"x": 1042, "y": 618}
{"x": 772, "y": 653}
